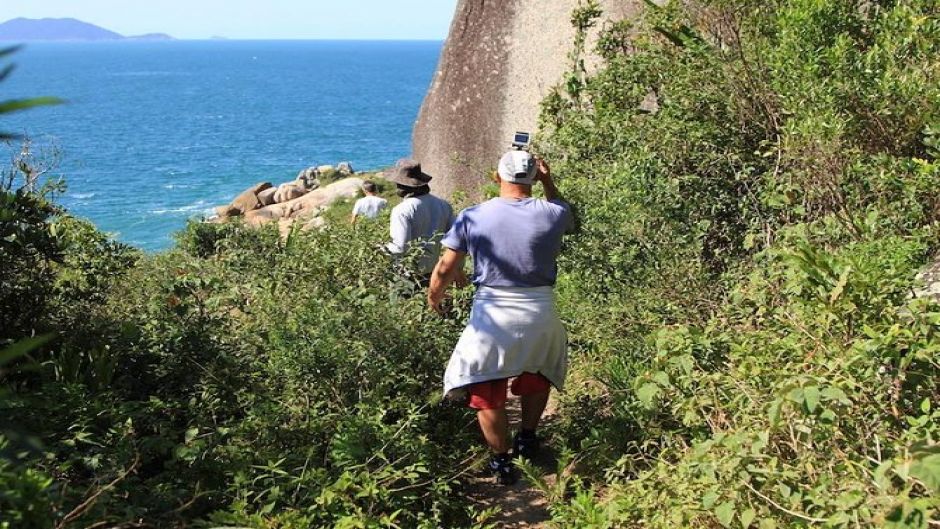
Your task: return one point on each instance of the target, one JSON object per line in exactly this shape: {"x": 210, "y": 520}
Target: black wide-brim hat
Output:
{"x": 408, "y": 173}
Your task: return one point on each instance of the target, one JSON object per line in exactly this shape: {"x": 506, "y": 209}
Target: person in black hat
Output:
{"x": 421, "y": 218}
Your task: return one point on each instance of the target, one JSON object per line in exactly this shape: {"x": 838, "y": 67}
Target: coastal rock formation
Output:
{"x": 345, "y": 169}
{"x": 252, "y": 202}
{"x": 227, "y": 211}
{"x": 287, "y": 192}
{"x": 309, "y": 178}
{"x": 501, "y": 59}
{"x": 266, "y": 197}
{"x": 248, "y": 200}
{"x": 306, "y": 207}
{"x": 300, "y": 200}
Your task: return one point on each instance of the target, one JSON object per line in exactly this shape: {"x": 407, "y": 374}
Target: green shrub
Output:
{"x": 244, "y": 377}
{"x": 761, "y": 225}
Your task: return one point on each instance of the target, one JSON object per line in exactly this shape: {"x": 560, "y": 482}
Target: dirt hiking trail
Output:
{"x": 520, "y": 505}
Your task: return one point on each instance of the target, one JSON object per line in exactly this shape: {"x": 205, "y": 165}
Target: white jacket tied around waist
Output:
{"x": 512, "y": 330}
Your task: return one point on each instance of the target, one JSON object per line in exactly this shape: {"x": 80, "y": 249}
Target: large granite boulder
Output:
{"x": 317, "y": 200}
{"x": 227, "y": 211}
{"x": 262, "y": 216}
{"x": 288, "y": 192}
{"x": 309, "y": 178}
{"x": 501, "y": 59}
{"x": 306, "y": 185}
{"x": 307, "y": 206}
{"x": 266, "y": 197}
{"x": 248, "y": 200}
{"x": 310, "y": 172}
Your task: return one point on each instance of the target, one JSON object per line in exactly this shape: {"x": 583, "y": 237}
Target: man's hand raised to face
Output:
{"x": 543, "y": 174}
{"x": 543, "y": 171}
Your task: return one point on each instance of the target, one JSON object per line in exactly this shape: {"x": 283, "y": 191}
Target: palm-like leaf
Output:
{"x": 9, "y": 51}
{"x": 15, "y": 105}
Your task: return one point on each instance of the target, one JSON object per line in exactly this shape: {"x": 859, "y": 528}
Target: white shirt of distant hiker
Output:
{"x": 369, "y": 206}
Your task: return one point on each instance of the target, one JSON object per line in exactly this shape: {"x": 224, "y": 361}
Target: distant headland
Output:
{"x": 63, "y": 29}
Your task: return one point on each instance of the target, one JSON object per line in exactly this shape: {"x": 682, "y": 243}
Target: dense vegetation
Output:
{"x": 758, "y": 188}
{"x": 239, "y": 378}
{"x": 756, "y": 184}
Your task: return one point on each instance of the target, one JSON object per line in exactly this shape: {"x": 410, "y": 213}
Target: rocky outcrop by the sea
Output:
{"x": 301, "y": 200}
{"x": 501, "y": 59}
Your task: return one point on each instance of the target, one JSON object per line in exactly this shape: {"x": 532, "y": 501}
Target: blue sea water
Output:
{"x": 155, "y": 133}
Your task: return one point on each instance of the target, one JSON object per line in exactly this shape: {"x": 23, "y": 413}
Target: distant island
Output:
{"x": 64, "y": 29}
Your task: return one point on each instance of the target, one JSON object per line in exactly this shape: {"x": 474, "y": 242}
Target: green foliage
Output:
{"x": 759, "y": 179}
{"x": 756, "y": 188}
{"x": 243, "y": 378}
{"x": 24, "y": 497}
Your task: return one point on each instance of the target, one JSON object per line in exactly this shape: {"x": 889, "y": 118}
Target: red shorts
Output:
{"x": 491, "y": 395}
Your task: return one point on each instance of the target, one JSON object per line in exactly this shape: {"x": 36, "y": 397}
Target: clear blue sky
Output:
{"x": 252, "y": 19}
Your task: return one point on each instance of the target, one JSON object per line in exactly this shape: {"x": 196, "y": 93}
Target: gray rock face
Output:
{"x": 501, "y": 59}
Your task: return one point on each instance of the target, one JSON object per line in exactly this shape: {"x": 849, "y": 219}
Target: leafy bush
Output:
{"x": 759, "y": 178}
{"x": 255, "y": 380}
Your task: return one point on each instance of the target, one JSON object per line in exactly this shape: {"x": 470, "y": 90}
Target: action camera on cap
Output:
{"x": 520, "y": 141}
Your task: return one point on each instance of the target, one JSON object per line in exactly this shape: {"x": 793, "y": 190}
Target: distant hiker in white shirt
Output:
{"x": 370, "y": 205}
{"x": 421, "y": 217}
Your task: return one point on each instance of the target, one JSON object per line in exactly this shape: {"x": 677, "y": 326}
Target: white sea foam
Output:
{"x": 200, "y": 206}
{"x": 147, "y": 73}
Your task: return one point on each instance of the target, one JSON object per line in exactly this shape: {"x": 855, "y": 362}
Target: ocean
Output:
{"x": 155, "y": 133}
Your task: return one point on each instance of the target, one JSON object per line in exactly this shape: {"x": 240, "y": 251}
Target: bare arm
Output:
{"x": 545, "y": 176}
{"x": 449, "y": 269}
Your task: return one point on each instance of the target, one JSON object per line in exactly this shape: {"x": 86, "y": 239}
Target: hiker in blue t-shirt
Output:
{"x": 514, "y": 331}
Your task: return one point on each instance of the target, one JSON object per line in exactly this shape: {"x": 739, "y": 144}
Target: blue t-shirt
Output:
{"x": 513, "y": 243}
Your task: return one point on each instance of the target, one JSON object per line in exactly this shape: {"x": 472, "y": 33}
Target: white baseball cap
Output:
{"x": 517, "y": 167}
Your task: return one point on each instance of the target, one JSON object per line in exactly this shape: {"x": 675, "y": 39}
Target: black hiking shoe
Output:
{"x": 504, "y": 470}
{"x": 525, "y": 446}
